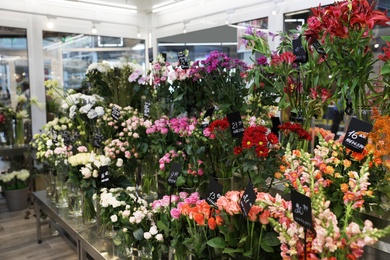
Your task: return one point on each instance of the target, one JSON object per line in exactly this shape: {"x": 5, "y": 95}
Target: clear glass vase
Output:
{"x": 74, "y": 199}
{"x": 19, "y": 132}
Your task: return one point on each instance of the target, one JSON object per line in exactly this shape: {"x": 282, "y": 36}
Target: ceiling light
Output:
{"x": 163, "y": 4}
{"x": 132, "y": 8}
{"x": 275, "y": 11}
{"x": 93, "y": 30}
{"x": 49, "y": 23}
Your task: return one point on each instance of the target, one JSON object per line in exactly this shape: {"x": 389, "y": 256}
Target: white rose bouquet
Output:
{"x": 15, "y": 180}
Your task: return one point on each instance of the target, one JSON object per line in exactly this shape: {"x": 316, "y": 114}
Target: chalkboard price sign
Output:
{"x": 301, "y": 207}
{"x": 214, "y": 192}
{"x": 147, "y": 105}
{"x": 115, "y": 113}
{"x": 299, "y": 51}
{"x": 174, "y": 174}
{"x": 236, "y": 125}
{"x": 182, "y": 60}
{"x": 104, "y": 175}
{"x": 357, "y": 135}
{"x": 247, "y": 200}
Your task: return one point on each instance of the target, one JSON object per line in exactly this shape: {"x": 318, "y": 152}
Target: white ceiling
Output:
{"x": 142, "y": 5}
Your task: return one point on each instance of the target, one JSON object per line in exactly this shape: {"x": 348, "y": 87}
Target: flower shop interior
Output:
{"x": 183, "y": 129}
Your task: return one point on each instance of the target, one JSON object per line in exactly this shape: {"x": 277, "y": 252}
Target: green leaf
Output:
{"x": 271, "y": 239}
{"x": 386, "y": 38}
{"x": 217, "y": 242}
{"x": 267, "y": 248}
{"x": 385, "y": 69}
{"x": 181, "y": 180}
{"x": 138, "y": 234}
{"x": 232, "y": 251}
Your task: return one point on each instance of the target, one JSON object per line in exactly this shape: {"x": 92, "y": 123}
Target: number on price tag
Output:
{"x": 236, "y": 125}
{"x": 214, "y": 192}
{"x": 356, "y": 136}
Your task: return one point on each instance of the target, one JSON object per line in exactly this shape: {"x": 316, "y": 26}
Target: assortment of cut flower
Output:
{"x": 331, "y": 236}
{"x": 345, "y": 31}
{"x": 50, "y": 144}
{"x": 130, "y": 217}
{"x": 15, "y": 180}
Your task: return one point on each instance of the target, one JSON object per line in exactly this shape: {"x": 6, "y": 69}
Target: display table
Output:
{"x": 85, "y": 238}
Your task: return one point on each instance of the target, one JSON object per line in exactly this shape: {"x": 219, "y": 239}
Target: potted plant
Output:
{"x": 16, "y": 188}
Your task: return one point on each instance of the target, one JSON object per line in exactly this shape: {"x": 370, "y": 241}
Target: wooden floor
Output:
{"x": 18, "y": 238}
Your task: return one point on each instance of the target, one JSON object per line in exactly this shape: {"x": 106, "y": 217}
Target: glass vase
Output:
{"x": 61, "y": 190}
{"x": 88, "y": 207}
{"x": 74, "y": 199}
{"x": 19, "y": 131}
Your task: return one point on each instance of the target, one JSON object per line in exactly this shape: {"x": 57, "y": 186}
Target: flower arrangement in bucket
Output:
{"x": 15, "y": 185}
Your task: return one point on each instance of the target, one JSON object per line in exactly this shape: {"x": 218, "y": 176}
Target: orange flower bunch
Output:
{"x": 326, "y": 134}
{"x": 202, "y": 213}
{"x": 380, "y": 136}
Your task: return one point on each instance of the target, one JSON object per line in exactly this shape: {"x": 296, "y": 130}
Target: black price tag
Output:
{"x": 299, "y": 51}
{"x": 214, "y": 192}
{"x": 147, "y": 105}
{"x": 209, "y": 112}
{"x": 236, "y": 124}
{"x": 116, "y": 112}
{"x": 97, "y": 140}
{"x": 54, "y": 136}
{"x": 103, "y": 173}
{"x": 182, "y": 60}
{"x": 318, "y": 47}
{"x": 150, "y": 54}
{"x": 275, "y": 124}
{"x": 174, "y": 174}
{"x": 247, "y": 200}
{"x": 67, "y": 137}
{"x": 356, "y": 135}
{"x": 301, "y": 208}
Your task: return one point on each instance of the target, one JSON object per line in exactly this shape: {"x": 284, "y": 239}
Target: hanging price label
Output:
{"x": 182, "y": 60}
{"x": 214, "y": 192}
{"x": 236, "y": 125}
{"x": 357, "y": 135}
{"x": 247, "y": 200}
{"x": 301, "y": 207}
{"x": 174, "y": 174}
{"x": 147, "y": 105}
{"x": 115, "y": 113}
{"x": 103, "y": 173}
